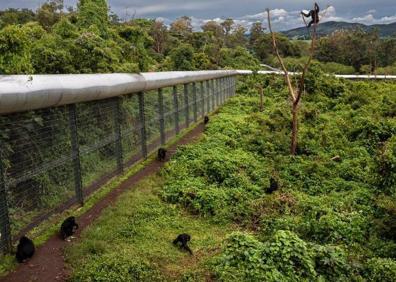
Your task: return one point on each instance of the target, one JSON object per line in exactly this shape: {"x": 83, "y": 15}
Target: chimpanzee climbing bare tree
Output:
{"x": 297, "y": 90}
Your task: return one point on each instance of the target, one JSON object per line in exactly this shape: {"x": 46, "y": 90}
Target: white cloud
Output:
{"x": 284, "y": 20}
{"x": 164, "y": 7}
{"x": 368, "y": 19}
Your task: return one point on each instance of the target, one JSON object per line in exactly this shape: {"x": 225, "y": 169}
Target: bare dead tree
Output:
{"x": 297, "y": 90}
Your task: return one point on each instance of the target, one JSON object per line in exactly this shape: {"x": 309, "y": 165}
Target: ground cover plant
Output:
{"x": 333, "y": 217}
{"x": 132, "y": 241}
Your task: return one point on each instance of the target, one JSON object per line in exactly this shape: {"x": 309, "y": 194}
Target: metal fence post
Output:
{"x": 218, "y": 93}
{"x": 195, "y": 102}
{"x": 202, "y": 98}
{"x": 5, "y": 228}
{"x": 161, "y": 115}
{"x": 213, "y": 95}
{"x": 207, "y": 97}
{"x": 221, "y": 91}
{"x": 75, "y": 153}
{"x": 176, "y": 109}
{"x": 187, "y": 112}
{"x": 117, "y": 133}
{"x": 224, "y": 89}
{"x": 143, "y": 135}
{"x": 231, "y": 78}
{"x": 232, "y": 86}
{"x": 228, "y": 88}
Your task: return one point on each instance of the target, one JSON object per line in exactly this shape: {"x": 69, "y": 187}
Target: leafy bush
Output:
{"x": 284, "y": 257}
{"x": 386, "y": 165}
{"x": 380, "y": 269}
{"x": 326, "y": 214}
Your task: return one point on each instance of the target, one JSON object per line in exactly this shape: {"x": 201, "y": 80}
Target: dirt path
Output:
{"x": 48, "y": 263}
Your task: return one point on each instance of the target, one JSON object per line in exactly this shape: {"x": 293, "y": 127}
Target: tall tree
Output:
{"x": 182, "y": 27}
{"x": 295, "y": 91}
{"x": 93, "y": 13}
{"x": 159, "y": 33}
{"x": 50, "y": 13}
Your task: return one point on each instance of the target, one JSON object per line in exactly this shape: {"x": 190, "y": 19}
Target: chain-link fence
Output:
{"x": 55, "y": 157}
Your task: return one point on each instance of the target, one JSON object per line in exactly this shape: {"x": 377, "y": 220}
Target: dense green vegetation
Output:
{"x": 333, "y": 218}
{"x": 334, "y": 215}
{"x": 91, "y": 39}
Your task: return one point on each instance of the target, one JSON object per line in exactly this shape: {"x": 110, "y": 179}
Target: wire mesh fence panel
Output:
{"x": 131, "y": 129}
{"x": 96, "y": 136}
{"x": 169, "y": 113}
{"x": 200, "y": 98}
{"x": 191, "y": 103}
{"x": 36, "y": 164}
{"x": 52, "y": 158}
{"x": 151, "y": 112}
{"x": 221, "y": 91}
{"x": 181, "y": 106}
{"x": 208, "y": 97}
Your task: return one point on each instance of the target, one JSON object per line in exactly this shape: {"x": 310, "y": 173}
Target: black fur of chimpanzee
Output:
{"x": 68, "y": 227}
{"x": 161, "y": 156}
{"x": 182, "y": 241}
{"x": 273, "y": 186}
{"x": 25, "y": 249}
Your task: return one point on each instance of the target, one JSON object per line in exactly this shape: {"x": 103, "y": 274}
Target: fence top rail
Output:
{"x": 20, "y": 93}
{"x": 346, "y": 76}
{"x": 31, "y": 92}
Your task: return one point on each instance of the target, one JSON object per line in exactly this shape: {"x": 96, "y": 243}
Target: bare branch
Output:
{"x": 286, "y": 73}
{"x": 307, "y": 64}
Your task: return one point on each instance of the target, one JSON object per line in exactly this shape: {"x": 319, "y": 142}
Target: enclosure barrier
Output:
{"x": 63, "y": 136}
{"x": 344, "y": 76}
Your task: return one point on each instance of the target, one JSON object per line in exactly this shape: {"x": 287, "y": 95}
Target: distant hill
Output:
{"x": 385, "y": 30}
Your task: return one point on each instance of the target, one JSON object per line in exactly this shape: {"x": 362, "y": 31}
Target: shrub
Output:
{"x": 284, "y": 257}
{"x": 381, "y": 270}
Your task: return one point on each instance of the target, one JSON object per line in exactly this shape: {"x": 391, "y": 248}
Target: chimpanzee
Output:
{"x": 161, "y": 154}
{"x": 314, "y": 14}
{"x": 25, "y": 249}
{"x": 68, "y": 227}
{"x": 273, "y": 186}
{"x": 182, "y": 241}
{"x": 206, "y": 120}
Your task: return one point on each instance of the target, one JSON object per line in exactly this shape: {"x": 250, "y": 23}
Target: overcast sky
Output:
{"x": 285, "y": 13}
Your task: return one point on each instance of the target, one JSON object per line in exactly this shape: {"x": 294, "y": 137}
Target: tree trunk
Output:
{"x": 293, "y": 147}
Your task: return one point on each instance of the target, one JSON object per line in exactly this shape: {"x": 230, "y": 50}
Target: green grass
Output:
{"x": 139, "y": 230}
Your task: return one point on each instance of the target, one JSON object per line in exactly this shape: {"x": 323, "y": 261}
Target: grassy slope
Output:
{"x": 139, "y": 230}
{"x": 323, "y": 219}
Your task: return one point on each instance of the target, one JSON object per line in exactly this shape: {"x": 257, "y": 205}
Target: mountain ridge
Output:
{"x": 326, "y": 28}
